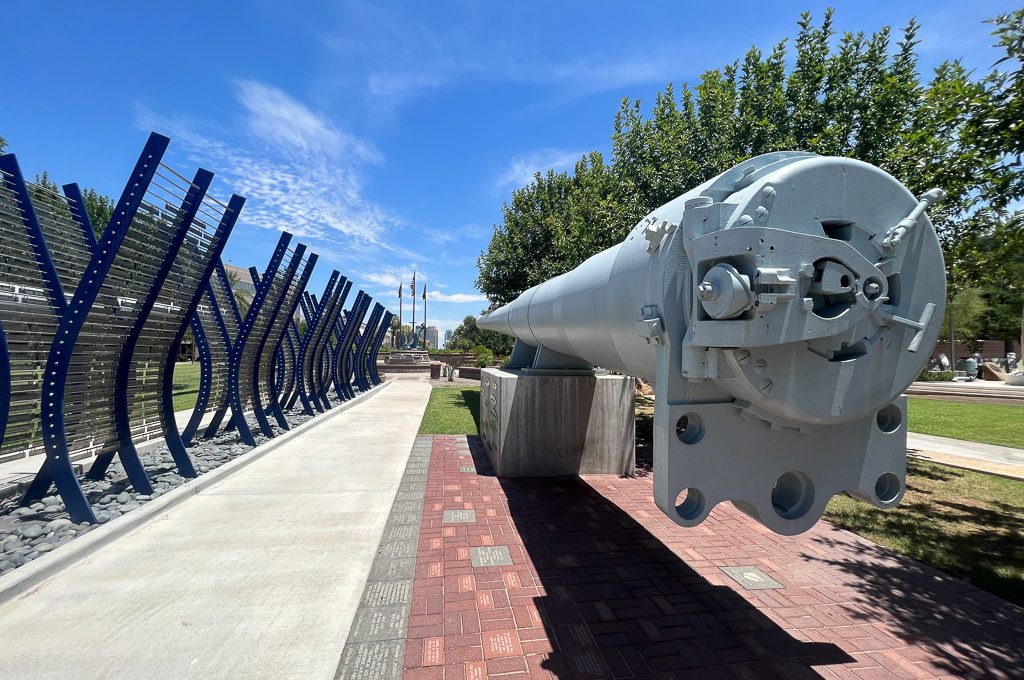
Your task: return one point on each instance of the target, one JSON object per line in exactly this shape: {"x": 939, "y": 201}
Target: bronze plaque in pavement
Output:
{"x": 751, "y": 578}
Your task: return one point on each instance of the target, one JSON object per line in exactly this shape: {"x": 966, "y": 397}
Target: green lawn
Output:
{"x": 967, "y": 524}
{"x": 986, "y": 423}
{"x": 186, "y": 385}
{"x": 452, "y": 410}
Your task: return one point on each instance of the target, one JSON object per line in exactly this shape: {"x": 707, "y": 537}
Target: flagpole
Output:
{"x": 401, "y": 284}
{"x": 413, "y": 287}
{"x": 425, "y": 346}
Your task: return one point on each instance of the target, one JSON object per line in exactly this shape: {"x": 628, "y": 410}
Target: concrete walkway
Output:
{"x": 257, "y": 577}
{"x": 1001, "y": 460}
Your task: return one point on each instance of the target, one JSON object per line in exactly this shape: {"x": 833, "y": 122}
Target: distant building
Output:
{"x": 448, "y": 338}
{"x": 240, "y": 279}
{"x": 432, "y": 336}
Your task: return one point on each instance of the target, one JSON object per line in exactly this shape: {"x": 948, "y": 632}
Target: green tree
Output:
{"x": 968, "y": 310}
{"x": 467, "y": 336}
{"x": 243, "y": 298}
{"x": 860, "y": 95}
{"x": 100, "y": 209}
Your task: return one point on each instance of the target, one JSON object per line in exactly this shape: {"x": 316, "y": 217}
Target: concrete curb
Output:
{"x": 32, "y": 575}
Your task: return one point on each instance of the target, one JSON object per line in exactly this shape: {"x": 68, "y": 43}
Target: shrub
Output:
{"x": 482, "y": 357}
{"x": 935, "y": 376}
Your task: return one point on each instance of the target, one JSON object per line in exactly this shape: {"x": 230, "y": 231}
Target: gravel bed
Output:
{"x": 34, "y": 530}
{"x": 457, "y": 382}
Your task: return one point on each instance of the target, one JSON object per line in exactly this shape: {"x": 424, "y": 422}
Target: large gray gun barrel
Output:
{"x": 780, "y": 310}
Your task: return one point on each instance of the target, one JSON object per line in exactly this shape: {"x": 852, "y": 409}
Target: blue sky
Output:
{"x": 385, "y": 135}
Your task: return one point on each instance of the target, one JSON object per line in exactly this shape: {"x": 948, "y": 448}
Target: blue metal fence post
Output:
{"x": 362, "y": 348}
{"x": 322, "y": 353}
{"x": 307, "y": 350}
{"x": 205, "y": 379}
{"x": 382, "y": 332}
{"x": 127, "y": 453}
{"x": 58, "y": 466}
{"x": 80, "y": 213}
{"x": 235, "y": 377}
{"x": 9, "y": 165}
{"x": 170, "y": 425}
{"x": 287, "y": 309}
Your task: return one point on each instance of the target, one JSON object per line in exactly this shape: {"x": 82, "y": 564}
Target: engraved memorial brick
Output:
{"x": 490, "y": 556}
{"x": 387, "y": 592}
{"x": 751, "y": 578}
{"x": 459, "y": 516}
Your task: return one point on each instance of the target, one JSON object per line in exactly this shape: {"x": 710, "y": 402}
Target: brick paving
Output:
{"x": 597, "y": 583}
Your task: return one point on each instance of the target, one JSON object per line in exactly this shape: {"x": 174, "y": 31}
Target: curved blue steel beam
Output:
{"x": 80, "y": 213}
{"x": 307, "y": 353}
{"x": 363, "y": 347}
{"x": 47, "y": 270}
{"x": 343, "y": 350}
{"x": 5, "y": 383}
{"x": 205, "y": 379}
{"x": 258, "y": 408}
{"x": 293, "y": 394}
{"x": 229, "y": 323}
{"x": 382, "y": 332}
{"x": 126, "y": 451}
{"x": 289, "y": 303}
{"x": 323, "y": 353}
{"x": 327, "y": 312}
{"x": 235, "y": 377}
{"x": 174, "y": 440}
{"x": 58, "y": 461}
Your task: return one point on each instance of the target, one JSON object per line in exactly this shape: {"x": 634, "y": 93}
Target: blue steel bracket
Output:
{"x": 289, "y": 303}
{"x": 343, "y": 350}
{"x": 229, "y": 324}
{"x": 205, "y": 379}
{"x": 174, "y": 440}
{"x": 80, "y": 213}
{"x": 307, "y": 350}
{"x": 255, "y": 310}
{"x": 382, "y": 332}
{"x": 363, "y": 348}
{"x": 293, "y": 335}
{"x": 127, "y": 452}
{"x": 321, "y": 363}
{"x": 58, "y": 466}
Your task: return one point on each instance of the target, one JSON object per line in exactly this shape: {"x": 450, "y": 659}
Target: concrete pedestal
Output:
{"x": 552, "y": 425}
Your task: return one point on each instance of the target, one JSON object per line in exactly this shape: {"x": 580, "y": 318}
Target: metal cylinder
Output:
{"x": 805, "y": 291}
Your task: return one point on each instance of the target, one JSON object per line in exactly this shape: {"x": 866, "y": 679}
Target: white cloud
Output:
{"x": 276, "y": 117}
{"x": 521, "y": 169}
{"x": 455, "y": 297}
{"x": 299, "y": 171}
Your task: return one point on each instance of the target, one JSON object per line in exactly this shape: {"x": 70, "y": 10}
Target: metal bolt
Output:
{"x": 705, "y": 290}
{"x": 872, "y": 288}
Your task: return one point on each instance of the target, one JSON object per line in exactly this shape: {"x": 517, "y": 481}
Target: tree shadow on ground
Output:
{"x": 971, "y": 633}
{"x": 617, "y": 602}
{"x": 978, "y": 540}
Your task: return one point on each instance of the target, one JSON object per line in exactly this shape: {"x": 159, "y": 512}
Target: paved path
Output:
{"x": 257, "y": 577}
{"x": 1001, "y": 460}
{"x": 587, "y": 579}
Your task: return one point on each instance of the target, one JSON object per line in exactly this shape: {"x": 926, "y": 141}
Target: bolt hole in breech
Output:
{"x": 889, "y": 419}
{"x": 792, "y": 495}
{"x": 689, "y": 429}
{"x": 888, "y": 488}
{"x": 690, "y": 503}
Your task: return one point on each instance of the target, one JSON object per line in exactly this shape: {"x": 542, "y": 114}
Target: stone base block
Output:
{"x": 553, "y": 425}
